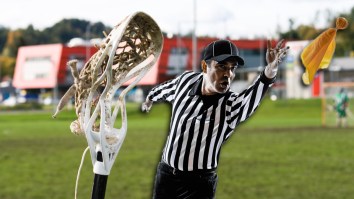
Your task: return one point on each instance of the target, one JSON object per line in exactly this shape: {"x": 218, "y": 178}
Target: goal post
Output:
{"x": 328, "y": 112}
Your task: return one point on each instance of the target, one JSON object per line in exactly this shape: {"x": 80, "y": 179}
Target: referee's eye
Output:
{"x": 225, "y": 68}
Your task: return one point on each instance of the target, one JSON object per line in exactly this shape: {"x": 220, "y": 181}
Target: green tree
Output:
{"x": 31, "y": 36}
{"x": 13, "y": 42}
{"x": 7, "y": 66}
{"x": 292, "y": 34}
{"x": 66, "y": 29}
{"x": 3, "y": 37}
{"x": 344, "y": 39}
{"x": 307, "y": 32}
{"x": 61, "y": 32}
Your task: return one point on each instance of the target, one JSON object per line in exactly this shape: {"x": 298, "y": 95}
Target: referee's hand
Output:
{"x": 274, "y": 56}
{"x": 146, "y": 106}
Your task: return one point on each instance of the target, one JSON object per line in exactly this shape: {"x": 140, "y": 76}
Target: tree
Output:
{"x": 3, "y": 37}
{"x": 7, "y": 66}
{"x": 344, "y": 40}
{"x": 61, "y": 32}
{"x": 292, "y": 34}
{"x": 13, "y": 42}
{"x": 307, "y": 32}
{"x": 66, "y": 29}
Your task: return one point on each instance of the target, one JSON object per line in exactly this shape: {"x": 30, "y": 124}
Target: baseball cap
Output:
{"x": 221, "y": 50}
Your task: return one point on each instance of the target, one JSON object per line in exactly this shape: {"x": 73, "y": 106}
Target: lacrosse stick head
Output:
{"x": 128, "y": 52}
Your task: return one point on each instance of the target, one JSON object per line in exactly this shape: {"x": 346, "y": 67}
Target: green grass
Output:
{"x": 281, "y": 152}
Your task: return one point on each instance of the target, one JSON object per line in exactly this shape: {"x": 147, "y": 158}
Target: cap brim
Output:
{"x": 233, "y": 58}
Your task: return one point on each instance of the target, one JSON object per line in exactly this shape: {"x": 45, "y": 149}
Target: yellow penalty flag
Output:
{"x": 318, "y": 54}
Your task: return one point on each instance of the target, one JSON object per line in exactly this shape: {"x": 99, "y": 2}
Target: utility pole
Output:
{"x": 194, "y": 39}
{"x": 0, "y": 69}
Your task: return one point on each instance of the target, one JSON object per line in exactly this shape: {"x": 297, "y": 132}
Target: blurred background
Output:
{"x": 300, "y": 151}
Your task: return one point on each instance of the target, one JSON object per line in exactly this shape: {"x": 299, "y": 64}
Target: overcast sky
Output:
{"x": 236, "y": 18}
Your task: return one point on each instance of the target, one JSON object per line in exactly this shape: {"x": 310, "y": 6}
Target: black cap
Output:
{"x": 221, "y": 50}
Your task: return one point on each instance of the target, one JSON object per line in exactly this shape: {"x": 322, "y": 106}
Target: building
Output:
{"x": 44, "y": 66}
{"x": 41, "y": 68}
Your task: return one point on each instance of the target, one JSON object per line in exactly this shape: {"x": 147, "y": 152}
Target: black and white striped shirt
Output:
{"x": 201, "y": 124}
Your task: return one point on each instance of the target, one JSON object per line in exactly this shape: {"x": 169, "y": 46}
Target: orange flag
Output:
{"x": 318, "y": 54}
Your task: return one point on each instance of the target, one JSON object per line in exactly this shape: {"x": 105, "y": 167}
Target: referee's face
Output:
{"x": 218, "y": 77}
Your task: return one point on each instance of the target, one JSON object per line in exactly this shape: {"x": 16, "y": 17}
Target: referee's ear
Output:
{"x": 204, "y": 66}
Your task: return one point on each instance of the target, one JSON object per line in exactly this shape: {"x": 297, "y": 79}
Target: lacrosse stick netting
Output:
{"x": 128, "y": 52}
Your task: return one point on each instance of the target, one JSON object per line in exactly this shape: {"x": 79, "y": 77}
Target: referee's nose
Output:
{"x": 229, "y": 73}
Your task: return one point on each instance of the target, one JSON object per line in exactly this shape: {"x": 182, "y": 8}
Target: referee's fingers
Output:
{"x": 269, "y": 45}
{"x": 279, "y": 44}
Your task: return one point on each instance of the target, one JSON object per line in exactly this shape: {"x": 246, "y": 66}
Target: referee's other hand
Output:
{"x": 146, "y": 106}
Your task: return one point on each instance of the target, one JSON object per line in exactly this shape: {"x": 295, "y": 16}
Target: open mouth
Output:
{"x": 224, "y": 85}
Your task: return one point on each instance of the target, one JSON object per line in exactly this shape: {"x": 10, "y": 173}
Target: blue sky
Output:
{"x": 238, "y": 19}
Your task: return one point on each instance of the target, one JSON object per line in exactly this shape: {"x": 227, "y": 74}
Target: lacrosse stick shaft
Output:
{"x": 100, "y": 181}
{"x": 99, "y": 186}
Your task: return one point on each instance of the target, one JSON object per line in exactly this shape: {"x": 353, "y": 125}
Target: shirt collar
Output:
{"x": 197, "y": 87}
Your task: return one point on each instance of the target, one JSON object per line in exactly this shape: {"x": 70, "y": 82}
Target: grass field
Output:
{"x": 282, "y": 152}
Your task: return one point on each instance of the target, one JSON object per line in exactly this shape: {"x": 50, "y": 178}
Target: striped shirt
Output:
{"x": 200, "y": 124}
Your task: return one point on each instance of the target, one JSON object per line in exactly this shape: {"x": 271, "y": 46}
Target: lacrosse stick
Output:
{"x": 127, "y": 53}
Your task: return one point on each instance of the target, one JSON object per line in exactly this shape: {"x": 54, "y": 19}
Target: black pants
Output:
{"x": 174, "y": 184}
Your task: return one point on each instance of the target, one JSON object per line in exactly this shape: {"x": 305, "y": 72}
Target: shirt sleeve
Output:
{"x": 165, "y": 91}
{"x": 241, "y": 106}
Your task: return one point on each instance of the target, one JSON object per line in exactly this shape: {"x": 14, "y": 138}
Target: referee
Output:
{"x": 204, "y": 115}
